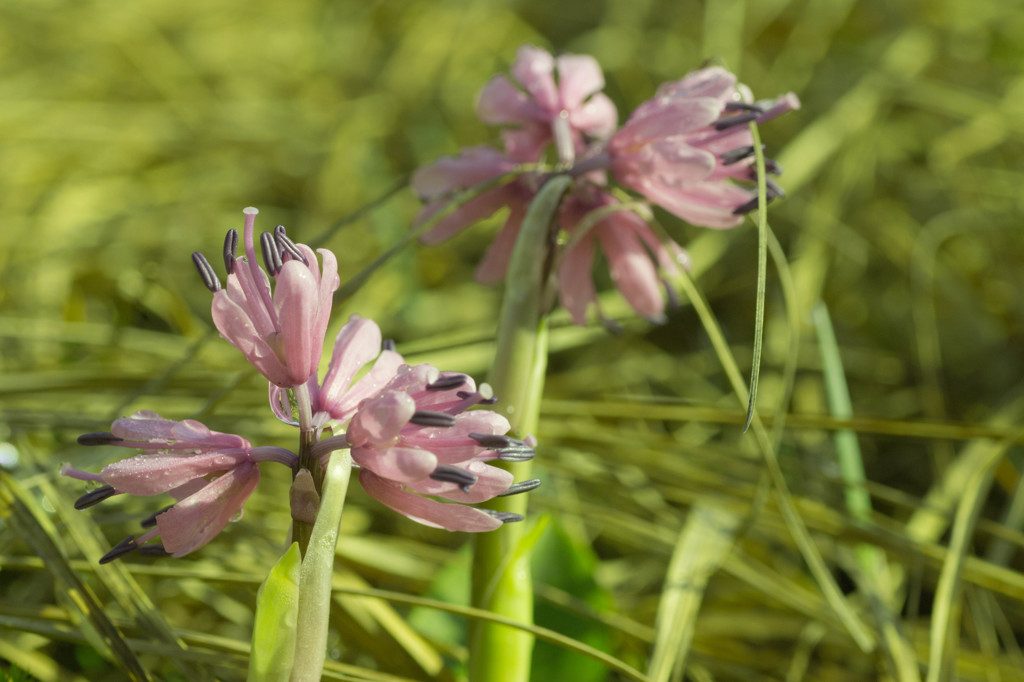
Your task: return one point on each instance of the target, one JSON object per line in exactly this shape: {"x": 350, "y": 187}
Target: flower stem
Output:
{"x": 501, "y": 565}
{"x": 303, "y": 528}
{"x": 316, "y": 572}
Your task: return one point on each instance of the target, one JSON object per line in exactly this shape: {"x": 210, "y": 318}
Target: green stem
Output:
{"x": 316, "y": 572}
{"x": 302, "y": 528}
{"x": 501, "y": 564}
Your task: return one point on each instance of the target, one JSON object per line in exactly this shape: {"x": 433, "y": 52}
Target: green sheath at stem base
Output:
{"x": 501, "y": 562}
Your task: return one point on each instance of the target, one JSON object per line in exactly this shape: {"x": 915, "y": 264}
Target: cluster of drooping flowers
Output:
{"x": 409, "y": 428}
{"x": 688, "y": 150}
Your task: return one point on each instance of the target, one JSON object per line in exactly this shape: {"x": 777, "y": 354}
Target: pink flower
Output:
{"x": 633, "y": 251}
{"x": 211, "y": 474}
{"x": 416, "y": 438}
{"x": 539, "y": 103}
{"x": 681, "y": 148}
{"x": 280, "y": 333}
{"x": 438, "y": 183}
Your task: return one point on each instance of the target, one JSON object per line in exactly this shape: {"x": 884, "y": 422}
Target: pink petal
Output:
{"x": 251, "y": 290}
{"x": 671, "y": 257}
{"x": 714, "y": 82}
{"x": 297, "y": 301}
{"x": 709, "y": 204}
{"x": 372, "y": 383}
{"x": 235, "y": 325}
{"x": 456, "y": 517}
{"x": 357, "y": 344}
{"x": 473, "y": 166}
{"x": 280, "y": 405}
{"x": 403, "y": 465}
{"x": 597, "y": 117}
{"x": 575, "y": 285}
{"x": 472, "y": 211}
{"x": 534, "y": 70}
{"x": 631, "y": 267}
{"x": 194, "y": 521}
{"x": 150, "y": 426}
{"x": 155, "y": 474}
{"x": 670, "y": 162}
{"x": 329, "y": 283}
{"x": 494, "y": 265}
{"x": 673, "y": 117}
{"x": 526, "y": 144}
{"x": 579, "y": 77}
{"x": 501, "y": 103}
{"x": 379, "y": 420}
{"x": 490, "y": 483}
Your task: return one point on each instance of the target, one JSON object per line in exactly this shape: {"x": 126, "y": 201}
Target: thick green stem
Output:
{"x": 316, "y": 572}
{"x": 501, "y": 563}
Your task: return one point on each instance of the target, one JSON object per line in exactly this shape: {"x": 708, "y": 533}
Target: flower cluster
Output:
{"x": 409, "y": 428}
{"x": 688, "y": 150}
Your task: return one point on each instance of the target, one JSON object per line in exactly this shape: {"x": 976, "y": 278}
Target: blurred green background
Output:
{"x": 133, "y": 134}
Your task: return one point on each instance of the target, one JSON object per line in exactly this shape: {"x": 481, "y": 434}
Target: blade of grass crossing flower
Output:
{"x": 500, "y": 584}
{"x": 826, "y": 582}
{"x": 273, "y": 633}
{"x": 20, "y": 511}
{"x": 704, "y": 543}
{"x": 948, "y": 604}
{"x": 316, "y": 572}
{"x": 762, "y": 271}
{"x": 875, "y": 576}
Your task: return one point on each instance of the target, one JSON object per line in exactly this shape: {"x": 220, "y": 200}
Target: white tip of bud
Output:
{"x": 250, "y": 210}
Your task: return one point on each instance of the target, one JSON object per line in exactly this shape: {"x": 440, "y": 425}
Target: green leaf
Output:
{"x": 277, "y": 608}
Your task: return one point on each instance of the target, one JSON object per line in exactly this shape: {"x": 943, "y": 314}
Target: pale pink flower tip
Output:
{"x": 211, "y": 474}
{"x": 415, "y": 438}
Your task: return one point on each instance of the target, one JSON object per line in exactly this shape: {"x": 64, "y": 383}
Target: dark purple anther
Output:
{"x": 95, "y": 497}
{"x": 739, "y": 119}
{"x": 155, "y": 551}
{"x": 287, "y": 245}
{"x": 150, "y": 520}
{"x": 98, "y": 438}
{"x": 508, "y": 449}
{"x": 743, "y": 106}
{"x": 431, "y": 418}
{"x": 206, "y": 272}
{"x": 388, "y": 344}
{"x": 736, "y": 155}
{"x": 773, "y": 189}
{"x": 126, "y": 546}
{"x": 447, "y": 383}
{"x": 450, "y": 474}
{"x": 521, "y": 487}
{"x": 230, "y": 247}
{"x": 505, "y": 517}
{"x": 271, "y": 256}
